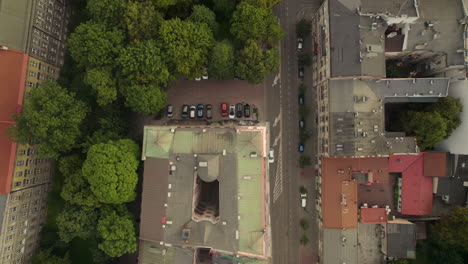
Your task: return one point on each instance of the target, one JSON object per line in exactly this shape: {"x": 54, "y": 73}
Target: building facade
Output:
{"x": 38, "y": 29}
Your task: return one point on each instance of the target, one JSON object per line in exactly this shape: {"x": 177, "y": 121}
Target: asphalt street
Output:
{"x": 286, "y": 177}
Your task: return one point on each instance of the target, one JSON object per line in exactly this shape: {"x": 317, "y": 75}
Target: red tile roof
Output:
{"x": 373, "y": 215}
{"x": 12, "y": 78}
{"x": 435, "y": 164}
{"x": 339, "y": 191}
{"x": 416, "y": 193}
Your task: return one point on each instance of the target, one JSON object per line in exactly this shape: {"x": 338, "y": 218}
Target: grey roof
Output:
{"x": 370, "y": 243}
{"x": 180, "y": 206}
{"x": 155, "y": 253}
{"x": 446, "y": 35}
{"x": 154, "y": 197}
{"x": 452, "y": 185}
{"x": 357, "y": 120}
{"x": 340, "y": 246}
{"x": 14, "y": 23}
{"x": 355, "y": 48}
{"x": 401, "y": 240}
{"x": 391, "y": 8}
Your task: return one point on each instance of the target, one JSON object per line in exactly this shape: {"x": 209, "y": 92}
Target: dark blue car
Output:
{"x": 301, "y": 147}
{"x": 200, "y": 111}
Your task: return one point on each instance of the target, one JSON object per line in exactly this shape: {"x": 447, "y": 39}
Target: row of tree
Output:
{"x": 134, "y": 49}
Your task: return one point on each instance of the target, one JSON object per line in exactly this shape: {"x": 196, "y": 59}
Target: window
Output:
{"x": 11, "y": 228}
{"x": 33, "y": 63}
{"x": 17, "y": 184}
{"x": 19, "y": 173}
{"x": 7, "y": 257}
{"x": 10, "y": 237}
{"x": 35, "y": 31}
{"x": 20, "y": 163}
{"x": 30, "y": 84}
{"x": 13, "y": 209}
{"x": 34, "y": 51}
{"x": 28, "y": 194}
{"x": 8, "y": 248}
{"x": 27, "y": 181}
{"x": 13, "y": 218}
{"x": 38, "y": 171}
{"x": 32, "y": 74}
{"x": 36, "y": 209}
{"x": 25, "y": 205}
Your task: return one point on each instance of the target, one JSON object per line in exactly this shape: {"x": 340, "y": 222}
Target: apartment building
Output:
{"x": 32, "y": 40}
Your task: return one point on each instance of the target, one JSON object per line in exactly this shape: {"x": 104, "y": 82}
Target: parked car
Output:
{"x": 303, "y": 200}
{"x": 209, "y": 111}
{"x": 301, "y": 72}
{"x": 300, "y": 42}
{"x": 198, "y": 79}
{"x": 301, "y": 123}
{"x": 185, "y": 111}
{"x": 301, "y": 99}
{"x": 301, "y": 147}
{"x": 205, "y": 76}
{"x": 239, "y": 110}
{"x": 170, "y": 110}
{"x": 232, "y": 111}
{"x": 193, "y": 109}
{"x": 224, "y": 110}
{"x": 200, "y": 111}
{"x": 271, "y": 156}
{"x": 247, "y": 110}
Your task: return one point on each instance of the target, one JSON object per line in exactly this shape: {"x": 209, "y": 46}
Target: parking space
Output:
{"x": 215, "y": 93}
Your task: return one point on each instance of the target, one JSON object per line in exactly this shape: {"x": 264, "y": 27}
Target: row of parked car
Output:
{"x": 206, "y": 111}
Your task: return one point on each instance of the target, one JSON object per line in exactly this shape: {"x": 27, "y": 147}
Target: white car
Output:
{"x": 198, "y": 79}
{"x": 303, "y": 200}
{"x": 232, "y": 111}
{"x": 205, "y": 76}
{"x": 271, "y": 156}
{"x": 299, "y": 44}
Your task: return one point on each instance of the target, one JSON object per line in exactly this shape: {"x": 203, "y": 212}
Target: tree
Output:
{"x": 250, "y": 64}
{"x": 73, "y": 222}
{"x": 304, "y": 59}
{"x": 53, "y": 116}
{"x": 110, "y": 169}
{"x": 165, "y": 3}
{"x": 93, "y": 44}
{"x": 77, "y": 191}
{"x": 109, "y": 12}
{"x": 222, "y": 61}
{"x": 452, "y": 229}
{"x": 145, "y": 63}
{"x": 449, "y": 108}
{"x": 264, "y": 3}
{"x": 303, "y": 28}
{"x": 272, "y": 60}
{"x": 428, "y": 127}
{"x": 304, "y": 160}
{"x": 202, "y": 14}
{"x": 304, "y": 224}
{"x": 142, "y": 20}
{"x": 144, "y": 99}
{"x": 304, "y": 240}
{"x": 103, "y": 83}
{"x": 224, "y": 7}
{"x": 251, "y": 22}
{"x": 45, "y": 256}
{"x": 68, "y": 165}
{"x": 118, "y": 234}
{"x": 187, "y": 44}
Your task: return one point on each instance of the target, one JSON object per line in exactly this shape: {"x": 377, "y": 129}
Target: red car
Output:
{"x": 224, "y": 109}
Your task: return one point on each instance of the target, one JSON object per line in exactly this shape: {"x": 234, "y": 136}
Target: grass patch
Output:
{"x": 396, "y": 193}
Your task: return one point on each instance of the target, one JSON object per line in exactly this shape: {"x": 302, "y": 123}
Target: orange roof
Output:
{"x": 339, "y": 191}
{"x": 373, "y": 215}
{"x": 435, "y": 164}
{"x": 12, "y": 77}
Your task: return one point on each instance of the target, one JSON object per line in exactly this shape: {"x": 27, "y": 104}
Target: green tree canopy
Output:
{"x": 272, "y": 60}
{"x": 202, "y": 14}
{"x": 428, "y": 127}
{"x": 109, "y": 12}
{"x": 93, "y": 44}
{"x": 165, "y": 3}
{"x": 68, "y": 165}
{"x": 144, "y": 99}
{"x": 142, "y": 20}
{"x": 110, "y": 169}
{"x": 303, "y": 28}
{"x": 53, "y": 116}
{"x": 449, "y": 108}
{"x": 222, "y": 61}
{"x": 144, "y": 63}
{"x": 45, "y": 256}
{"x": 77, "y": 191}
{"x": 103, "y": 83}
{"x": 252, "y": 22}
{"x": 118, "y": 234}
{"x": 264, "y": 3}
{"x": 304, "y": 59}
{"x": 452, "y": 229}
{"x": 187, "y": 45}
{"x": 253, "y": 63}
{"x": 73, "y": 222}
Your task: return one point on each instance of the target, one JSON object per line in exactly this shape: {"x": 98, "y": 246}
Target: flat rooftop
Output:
{"x": 394, "y": 8}
{"x": 340, "y": 246}
{"x": 179, "y": 161}
{"x": 357, "y": 118}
